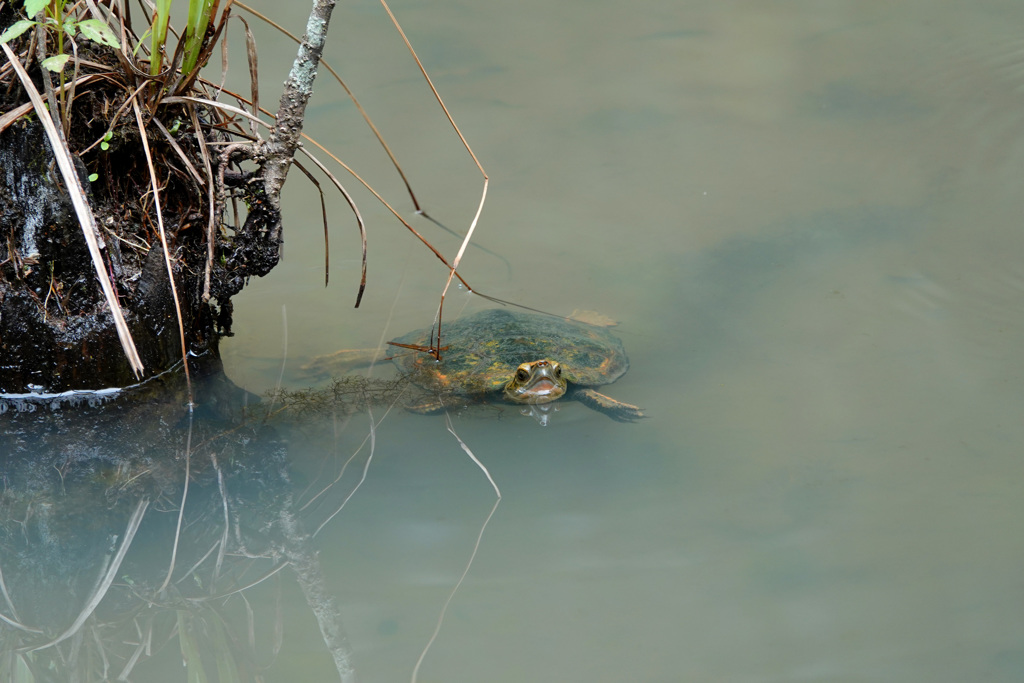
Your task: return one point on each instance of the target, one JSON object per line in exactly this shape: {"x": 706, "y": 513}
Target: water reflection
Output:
{"x": 135, "y": 527}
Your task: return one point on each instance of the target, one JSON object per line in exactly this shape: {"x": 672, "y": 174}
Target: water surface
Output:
{"x": 805, "y": 219}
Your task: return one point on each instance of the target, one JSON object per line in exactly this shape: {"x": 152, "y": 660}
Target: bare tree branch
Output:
{"x": 284, "y": 140}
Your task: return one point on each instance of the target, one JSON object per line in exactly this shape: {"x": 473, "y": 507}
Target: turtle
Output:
{"x": 523, "y": 358}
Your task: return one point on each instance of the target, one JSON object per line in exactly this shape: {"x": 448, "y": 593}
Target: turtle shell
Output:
{"x": 485, "y": 349}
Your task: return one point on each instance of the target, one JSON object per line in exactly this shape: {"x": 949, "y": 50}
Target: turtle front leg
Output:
{"x": 429, "y": 406}
{"x": 617, "y": 410}
{"x": 424, "y": 402}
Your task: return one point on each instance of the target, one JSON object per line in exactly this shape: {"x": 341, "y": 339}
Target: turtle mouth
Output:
{"x": 542, "y": 387}
{"x": 537, "y": 382}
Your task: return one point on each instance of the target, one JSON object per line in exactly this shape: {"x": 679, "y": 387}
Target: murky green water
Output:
{"x": 805, "y": 217}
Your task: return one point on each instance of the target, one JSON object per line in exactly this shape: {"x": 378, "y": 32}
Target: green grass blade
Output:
{"x": 159, "y": 28}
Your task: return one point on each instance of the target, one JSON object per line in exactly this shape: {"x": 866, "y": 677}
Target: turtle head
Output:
{"x": 539, "y": 381}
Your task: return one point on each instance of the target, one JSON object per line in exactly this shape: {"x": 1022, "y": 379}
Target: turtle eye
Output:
{"x": 522, "y": 374}
{"x": 558, "y": 371}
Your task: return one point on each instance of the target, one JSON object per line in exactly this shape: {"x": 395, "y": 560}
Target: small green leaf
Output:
{"x": 93, "y": 177}
{"x": 99, "y": 32}
{"x": 34, "y": 7}
{"x": 55, "y": 63}
{"x": 104, "y": 145}
{"x": 16, "y": 29}
{"x": 108, "y": 136}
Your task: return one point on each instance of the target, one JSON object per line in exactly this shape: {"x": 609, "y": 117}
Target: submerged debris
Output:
{"x": 345, "y": 395}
